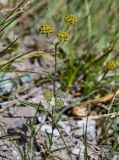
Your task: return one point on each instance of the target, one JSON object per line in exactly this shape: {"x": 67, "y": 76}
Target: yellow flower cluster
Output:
{"x": 111, "y": 64}
{"x": 63, "y": 35}
{"x": 71, "y": 19}
{"x": 46, "y": 29}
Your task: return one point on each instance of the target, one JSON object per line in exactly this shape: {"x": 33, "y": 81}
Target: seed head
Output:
{"x": 71, "y": 19}
{"x": 46, "y": 29}
{"x": 48, "y": 95}
{"x": 59, "y": 102}
{"x": 59, "y": 93}
{"x": 111, "y": 64}
{"x": 63, "y": 35}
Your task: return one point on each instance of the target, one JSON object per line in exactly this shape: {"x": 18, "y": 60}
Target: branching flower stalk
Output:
{"x": 55, "y": 77}
{"x": 62, "y": 36}
{"x": 112, "y": 65}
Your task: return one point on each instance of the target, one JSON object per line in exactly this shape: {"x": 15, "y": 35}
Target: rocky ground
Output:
{"x": 22, "y": 91}
{"x": 15, "y": 115}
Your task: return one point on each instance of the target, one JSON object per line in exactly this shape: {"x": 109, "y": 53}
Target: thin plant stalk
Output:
{"x": 64, "y": 143}
{"x": 55, "y": 76}
{"x": 85, "y": 140}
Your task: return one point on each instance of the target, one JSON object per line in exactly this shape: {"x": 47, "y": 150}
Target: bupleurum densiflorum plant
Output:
{"x": 61, "y": 36}
{"x": 112, "y": 65}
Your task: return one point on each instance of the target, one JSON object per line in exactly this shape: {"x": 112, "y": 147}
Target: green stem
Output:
{"x": 55, "y": 76}
{"x": 54, "y": 91}
{"x": 89, "y": 22}
{"x": 69, "y": 152}
{"x": 85, "y": 140}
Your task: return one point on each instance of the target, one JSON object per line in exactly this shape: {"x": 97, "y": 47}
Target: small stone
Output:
{"x": 41, "y": 118}
{"x": 78, "y": 151}
{"x": 56, "y": 133}
{"x": 6, "y": 87}
{"x": 91, "y": 129}
{"x": 11, "y": 112}
{"x": 83, "y": 123}
{"x": 47, "y": 128}
{"x": 27, "y": 112}
{"x": 115, "y": 157}
{"x": 25, "y": 79}
{"x": 15, "y": 153}
{"x": 18, "y": 127}
{"x": 64, "y": 126}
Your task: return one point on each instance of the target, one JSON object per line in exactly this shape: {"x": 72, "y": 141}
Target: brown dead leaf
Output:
{"x": 81, "y": 110}
{"x": 111, "y": 115}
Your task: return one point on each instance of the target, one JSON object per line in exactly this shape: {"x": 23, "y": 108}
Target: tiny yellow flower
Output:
{"x": 46, "y": 29}
{"x": 63, "y": 35}
{"x": 71, "y": 19}
{"x": 111, "y": 64}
